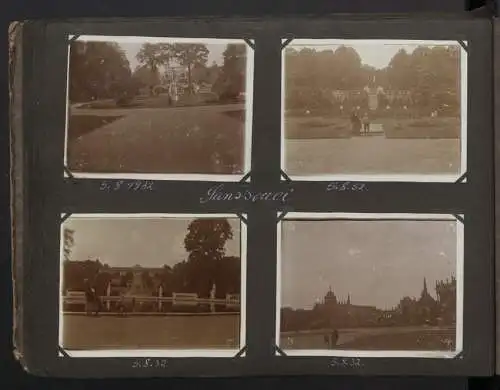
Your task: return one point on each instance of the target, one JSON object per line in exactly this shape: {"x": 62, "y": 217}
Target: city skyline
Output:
{"x": 150, "y": 242}
{"x": 376, "y": 262}
{"x": 349, "y": 297}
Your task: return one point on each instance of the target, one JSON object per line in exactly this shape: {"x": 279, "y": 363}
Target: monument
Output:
{"x": 138, "y": 287}
{"x": 373, "y": 92}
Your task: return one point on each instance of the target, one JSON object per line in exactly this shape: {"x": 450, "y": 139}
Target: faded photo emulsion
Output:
{"x": 374, "y": 109}
{"x": 158, "y": 106}
{"x": 375, "y": 287}
{"x": 161, "y": 285}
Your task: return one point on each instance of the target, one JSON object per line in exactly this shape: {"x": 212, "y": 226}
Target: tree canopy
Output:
{"x": 68, "y": 243}
{"x": 231, "y": 81}
{"x": 189, "y": 55}
{"x": 205, "y": 265}
{"x": 98, "y": 70}
{"x": 154, "y": 55}
{"x": 430, "y": 74}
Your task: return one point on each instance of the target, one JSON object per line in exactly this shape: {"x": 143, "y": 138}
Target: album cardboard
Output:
{"x": 253, "y": 196}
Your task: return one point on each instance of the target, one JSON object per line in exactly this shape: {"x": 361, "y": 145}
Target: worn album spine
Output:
{"x": 496, "y": 97}
{"x": 17, "y": 189}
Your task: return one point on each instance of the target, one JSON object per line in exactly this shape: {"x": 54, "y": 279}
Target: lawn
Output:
{"x": 179, "y": 332}
{"x": 79, "y": 125}
{"x": 429, "y": 128}
{"x": 196, "y": 140}
{"x": 413, "y": 341}
{"x": 316, "y": 127}
{"x": 366, "y": 339}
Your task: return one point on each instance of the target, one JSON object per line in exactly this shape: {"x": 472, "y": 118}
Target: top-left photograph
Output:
{"x": 159, "y": 108}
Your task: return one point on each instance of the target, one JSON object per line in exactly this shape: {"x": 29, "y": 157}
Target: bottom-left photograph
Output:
{"x": 172, "y": 285}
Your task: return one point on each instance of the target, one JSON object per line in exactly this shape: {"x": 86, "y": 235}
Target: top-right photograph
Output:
{"x": 376, "y": 110}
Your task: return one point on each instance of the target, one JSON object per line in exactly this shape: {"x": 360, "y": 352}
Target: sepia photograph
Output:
{"x": 374, "y": 109}
{"x": 159, "y": 106}
{"x": 165, "y": 285}
{"x": 370, "y": 285}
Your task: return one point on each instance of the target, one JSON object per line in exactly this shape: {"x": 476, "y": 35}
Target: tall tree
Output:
{"x": 97, "y": 70}
{"x": 206, "y": 238}
{"x": 68, "y": 243}
{"x": 189, "y": 55}
{"x": 231, "y": 81}
{"x": 348, "y": 68}
{"x": 400, "y": 72}
{"x": 154, "y": 55}
{"x": 205, "y": 242}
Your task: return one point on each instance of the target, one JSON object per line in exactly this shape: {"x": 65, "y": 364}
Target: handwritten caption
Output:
{"x": 218, "y": 193}
{"x": 345, "y": 362}
{"x": 149, "y": 363}
{"x": 339, "y": 186}
{"x": 127, "y": 185}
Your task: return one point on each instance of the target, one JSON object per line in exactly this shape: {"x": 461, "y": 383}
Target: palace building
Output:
{"x": 343, "y": 313}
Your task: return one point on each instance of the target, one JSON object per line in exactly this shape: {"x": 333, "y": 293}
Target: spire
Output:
{"x": 349, "y": 298}
{"x": 425, "y": 292}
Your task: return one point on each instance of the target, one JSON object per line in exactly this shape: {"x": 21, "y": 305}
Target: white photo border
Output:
{"x": 248, "y": 128}
{"x": 165, "y": 352}
{"x": 379, "y": 353}
{"x": 381, "y": 177}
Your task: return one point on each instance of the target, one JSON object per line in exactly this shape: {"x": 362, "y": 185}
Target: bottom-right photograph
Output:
{"x": 370, "y": 285}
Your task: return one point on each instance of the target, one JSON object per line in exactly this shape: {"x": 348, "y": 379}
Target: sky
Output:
{"x": 126, "y": 242}
{"x": 131, "y": 50}
{"x": 377, "y": 262}
{"x": 376, "y": 55}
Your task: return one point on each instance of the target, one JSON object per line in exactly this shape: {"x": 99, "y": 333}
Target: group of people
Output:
{"x": 93, "y": 303}
{"x": 360, "y": 124}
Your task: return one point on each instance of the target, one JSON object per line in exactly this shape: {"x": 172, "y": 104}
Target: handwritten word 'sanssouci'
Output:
{"x": 218, "y": 193}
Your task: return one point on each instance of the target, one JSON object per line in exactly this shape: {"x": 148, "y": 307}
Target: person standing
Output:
{"x": 88, "y": 297}
{"x": 366, "y": 123}
{"x": 355, "y": 122}
{"x": 335, "y": 337}
{"x": 121, "y": 305}
{"x": 91, "y": 299}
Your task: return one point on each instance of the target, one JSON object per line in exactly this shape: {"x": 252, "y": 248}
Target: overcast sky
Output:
{"x": 125, "y": 242}
{"x": 375, "y": 54}
{"x": 215, "y": 53}
{"x": 377, "y": 262}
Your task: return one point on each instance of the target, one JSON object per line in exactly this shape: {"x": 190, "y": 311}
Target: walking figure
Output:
{"x": 331, "y": 338}
{"x": 335, "y": 337}
{"x": 355, "y": 123}
{"x": 366, "y": 124}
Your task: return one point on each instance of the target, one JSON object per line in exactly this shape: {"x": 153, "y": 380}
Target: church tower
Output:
{"x": 425, "y": 298}
{"x": 425, "y": 292}
{"x": 330, "y": 297}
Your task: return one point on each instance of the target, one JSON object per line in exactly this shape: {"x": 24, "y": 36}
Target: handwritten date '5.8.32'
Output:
{"x": 339, "y": 186}
{"x": 127, "y": 185}
{"x": 344, "y": 362}
{"x": 149, "y": 363}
